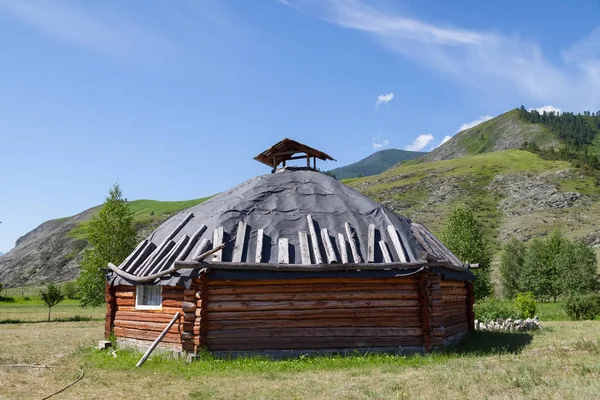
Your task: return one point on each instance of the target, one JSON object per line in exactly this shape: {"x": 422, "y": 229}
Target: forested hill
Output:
{"x": 375, "y": 164}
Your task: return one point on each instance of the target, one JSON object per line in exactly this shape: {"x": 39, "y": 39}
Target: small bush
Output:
{"x": 586, "y": 306}
{"x": 492, "y": 309}
{"x": 27, "y": 298}
{"x": 7, "y": 299}
{"x": 525, "y": 303}
{"x": 69, "y": 289}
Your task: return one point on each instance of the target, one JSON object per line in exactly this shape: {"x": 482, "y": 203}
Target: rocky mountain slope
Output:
{"x": 375, "y": 164}
{"x": 52, "y": 251}
{"x": 506, "y": 131}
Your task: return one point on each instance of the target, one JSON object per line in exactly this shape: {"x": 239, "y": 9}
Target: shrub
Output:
{"x": 51, "y": 297}
{"x": 492, "y": 309}
{"x": 525, "y": 303}
{"x": 513, "y": 259}
{"x": 586, "y": 306}
{"x": 69, "y": 289}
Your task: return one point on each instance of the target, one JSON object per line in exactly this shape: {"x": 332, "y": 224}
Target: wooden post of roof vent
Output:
{"x": 286, "y": 150}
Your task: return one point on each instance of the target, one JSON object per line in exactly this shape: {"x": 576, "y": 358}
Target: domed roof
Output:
{"x": 297, "y": 217}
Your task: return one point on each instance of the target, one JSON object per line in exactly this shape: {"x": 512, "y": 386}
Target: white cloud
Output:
{"x": 379, "y": 143}
{"x": 419, "y": 143}
{"x": 384, "y": 99}
{"x": 444, "y": 140}
{"x": 492, "y": 62}
{"x": 469, "y": 125}
{"x": 100, "y": 32}
{"x": 547, "y": 108}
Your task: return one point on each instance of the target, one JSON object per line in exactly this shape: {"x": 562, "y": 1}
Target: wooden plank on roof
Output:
{"x": 314, "y": 239}
{"x": 240, "y": 238}
{"x": 259, "y": 245}
{"x": 180, "y": 226}
{"x": 304, "y": 250}
{"x": 139, "y": 260}
{"x": 386, "y": 254}
{"x": 202, "y": 247}
{"x": 397, "y": 244}
{"x": 217, "y": 240}
{"x": 133, "y": 255}
{"x": 329, "y": 250}
{"x": 343, "y": 248}
{"x": 371, "y": 244}
{"x": 352, "y": 240}
{"x": 158, "y": 258}
{"x": 193, "y": 240}
{"x": 171, "y": 256}
{"x": 283, "y": 256}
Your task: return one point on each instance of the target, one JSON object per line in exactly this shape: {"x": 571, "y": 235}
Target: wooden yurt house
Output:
{"x": 291, "y": 262}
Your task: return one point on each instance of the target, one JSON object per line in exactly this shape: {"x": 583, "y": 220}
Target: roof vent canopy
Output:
{"x": 287, "y": 150}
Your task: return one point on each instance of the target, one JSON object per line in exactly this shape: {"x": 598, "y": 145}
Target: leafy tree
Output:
{"x": 51, "y": 297}
{"x": 511, "y": 267}
{"x": 463, "y": 236}
{"x": 112, "y": 237}
{"x": 579, "y": 269}
{"x": 69, "y": 289}
{"x": 542, "y": 267}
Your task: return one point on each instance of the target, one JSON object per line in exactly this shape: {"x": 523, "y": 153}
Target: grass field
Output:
{"x": 35, "y": 310}
{"x": 562, "y": 361}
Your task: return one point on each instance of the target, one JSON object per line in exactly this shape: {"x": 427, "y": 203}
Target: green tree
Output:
{"x": 511, "y": 267}
{"x": 51, "y": 297}
{"x": 545, "y": 262}
{"x": 464, "y": 237}
{"x": 112, "y": 237}
{"x": 69, "y": 289}
{"x": 579, "y": 267}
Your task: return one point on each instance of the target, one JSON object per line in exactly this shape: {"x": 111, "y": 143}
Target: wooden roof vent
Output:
{"x": 289, "y": 149}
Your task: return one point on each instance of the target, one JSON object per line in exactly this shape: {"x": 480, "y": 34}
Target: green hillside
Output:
{"x": 375, "y": 164}
{"x": 506, "y": 131}
{"x": 513, "y": 192}
{"x": 145, "y": 213}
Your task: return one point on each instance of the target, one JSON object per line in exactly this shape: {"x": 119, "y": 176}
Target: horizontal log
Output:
{"x": 145, "y": 335}
{"x": 305, "y": 305}
{"x": 187, "y": 306}
{"x": 454, "y": 290}
{"x": 448, "y": 305}
{"x": 315, "y": 332}
{"x": 455, "y": 319}
{"x": 172, "y": 303}
{"x": 310, "y": 343}
{"x": 453, "y": 297}
{"x": 457, "y": 328}
{"x": 400, "y": 322}
{"x": 147, "y": 326}
{"x": 164, "y": 310}
{"x": 438, "y": 331}
{"x": 189, "y": 316}
{"x": 190, "y": 292}
{"x": 125, "y": 294}
{"x": 142, "y": 316}
{"x": 172, "y": 295}
{"x": 124, "y": 301}
{"x": 315, "y": 314}
{"x": 309, "y": 281}
{"x": 316, "y": 288}
{"x": 308, "y": 296}
{"x": 452, "y": 283}
{"x": 449, "y": 313}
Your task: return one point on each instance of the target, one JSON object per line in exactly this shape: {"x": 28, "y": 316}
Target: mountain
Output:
{"x": 506, "y": 131}
{"x": 52, "y": 251}
{"x": 375, "y": 164}
{"x": 1, "y": 254}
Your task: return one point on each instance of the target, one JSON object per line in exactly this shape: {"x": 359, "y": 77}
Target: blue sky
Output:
{"x": 172, "y": 99}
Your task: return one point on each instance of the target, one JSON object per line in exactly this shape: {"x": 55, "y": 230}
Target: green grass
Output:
{"x": 145, "y": 212}
{"x": 34, "y": 310}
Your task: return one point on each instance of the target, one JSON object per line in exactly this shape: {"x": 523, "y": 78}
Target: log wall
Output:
{"x": 456, "y": 319}
{"x": 311, "y": 314}
{"x": 299, "y": 314}
{"x": 142, "y": 327}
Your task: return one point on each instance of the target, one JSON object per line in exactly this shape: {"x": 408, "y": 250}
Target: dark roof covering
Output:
{"x": 294, "y": 221}
{"x": 285, "y": 149}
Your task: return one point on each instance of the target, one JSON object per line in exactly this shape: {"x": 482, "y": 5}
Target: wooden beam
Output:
{"x": 139, "y": 260}
{"x": 193, "y": 240}
{"x": 259, "y": 245}
{"x": 371, "y": 244}
{"x": 329, "y": 250}
{"x": 217, "y": 240}
{"x": 138, "y": 249}
{"x": 283, "y": 255}
{"x": 343, "y": 248}
{"x": 314, "y": 238}
{"x": 157, "y": 341}
{"x": 304, "y": 250}
{"x": 170, "y": 258}
{"x": 397, "y": 244}
{"x": 240, "y": 239}
{"x": 202, "y": 247}
{"x": 386, "y": 254}
{"x": 352, "y": 240}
